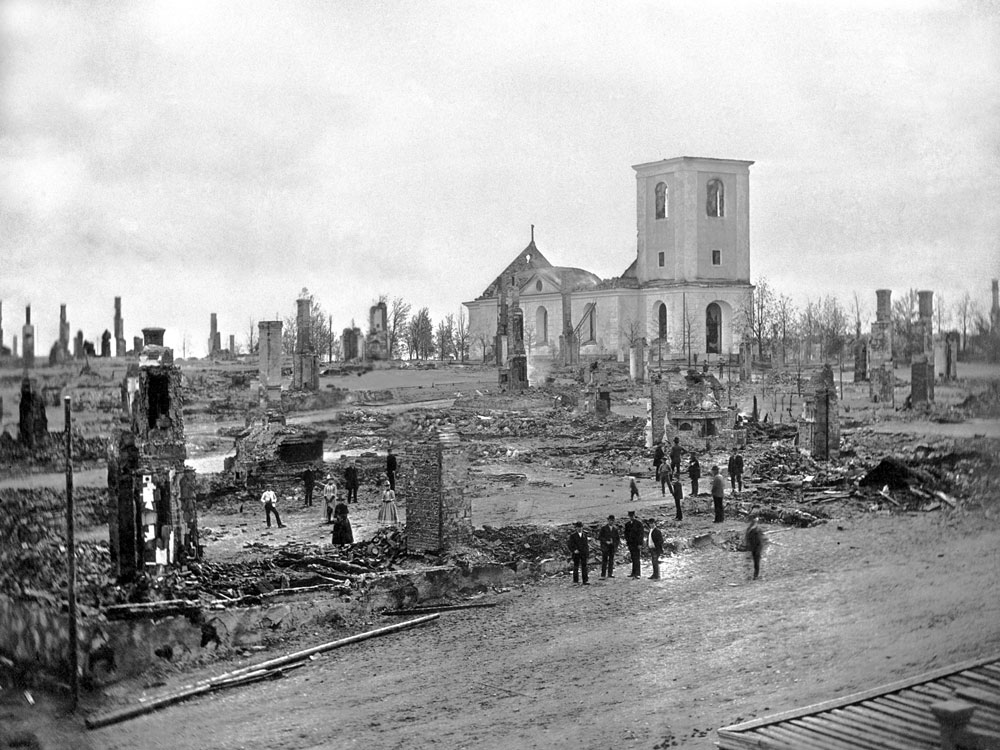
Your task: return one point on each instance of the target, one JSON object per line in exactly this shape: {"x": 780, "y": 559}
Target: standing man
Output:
{"x": 609, "y": 538}
{"x": 718, "y": 493}
{"x": 269, "y": 500}
{"x": 678, "y": 492}
{"x": 694, "y": 472}
{"x": 675, "y": 455}
{"x": 755, "y": 543}
{"x": 579, "y": 548}
{"x": 736, "y": 471}
{"x": 390, "y": 469}
{"x": 633, "y": 538}
{"x": 351, "y": 482}
{"x": 309, "y": 478}
{"x": 655, "y": 543}
{"x": 658, "y": 460}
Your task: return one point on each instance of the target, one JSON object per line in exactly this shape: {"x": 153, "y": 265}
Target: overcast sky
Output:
{"x": 197, "y": 157}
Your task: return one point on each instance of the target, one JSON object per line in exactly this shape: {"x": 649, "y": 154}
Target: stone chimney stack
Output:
{"x": 883, "y": 309}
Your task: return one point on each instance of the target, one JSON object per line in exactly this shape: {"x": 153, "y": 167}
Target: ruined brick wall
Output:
{"x": 826, "y": 432}
{"x": 438, "y": 512}
{"x": 33, "y": 425}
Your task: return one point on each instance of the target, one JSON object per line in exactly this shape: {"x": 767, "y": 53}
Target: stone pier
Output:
{"x": 214, "y": 338}
{"x": 269, "y": 359}
{"x": 922, "y": 363}
{"x": 881, "y": 377}
{"x": 438, "y": 512}
{"x": 819, "y": 425}
{"x": 28, "y": 340}
{"x": 119, "y": 329}
{"x": 305, "y": 365}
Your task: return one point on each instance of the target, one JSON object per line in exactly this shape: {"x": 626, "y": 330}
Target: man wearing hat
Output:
{"x": 609, "y": 538}
{"x": 634, "y": 534}
{"x": 309, "y": 478}
{"x": 655, "y": 544}
{"x": 579, "y": 547}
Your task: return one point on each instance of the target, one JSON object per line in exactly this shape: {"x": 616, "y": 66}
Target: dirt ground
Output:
{"x": 621, "y": 663}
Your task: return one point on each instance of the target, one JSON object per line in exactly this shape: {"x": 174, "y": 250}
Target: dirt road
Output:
{"x": 624, "y": 663}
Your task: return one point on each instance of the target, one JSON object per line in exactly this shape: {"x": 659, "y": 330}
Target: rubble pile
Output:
{"x": 39, "y": 570}
{"x": 535, "y": 543}
{"x": 52, "y": 452}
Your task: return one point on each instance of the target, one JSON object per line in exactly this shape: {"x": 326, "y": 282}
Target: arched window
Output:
{"x": 661, "y": 200}
{"x": 661, "y": 321}
{"x": 716, "y": 203}
{"x": 542, "y": 325}
{"x": 713, "y": 329}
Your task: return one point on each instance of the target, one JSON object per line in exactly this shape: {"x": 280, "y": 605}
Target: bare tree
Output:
{"x": 904, "y": 316}
{"x": 485, "y": 340}
{"x": 420, "y": 334}
{"x": 633, "y": 331}
{"x": 399, "y": 311}
{"x": 320, "y": 333}
{"x": 461, "y": 335}
{"x": 251, "y": 338}
{"x": 785, "y": 320}
{"x": 963, "y": 311}
{"x": 758, "y": 318}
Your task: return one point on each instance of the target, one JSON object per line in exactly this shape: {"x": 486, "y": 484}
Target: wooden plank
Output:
{"x": 914, "y": 705}
{"x": 809, "y": 734}
{"x": 920, "y": 716}
{"x": 991, "y": 670}
{"x": 909, "y": 734}
{"x": 740, "y": 741}
{"x": 897, "y": 710}
{"x": 841, "y": 727}
{"x": 984, "y": 679}
{"x": 799, "y": 740}
{"x": 865, "y": 694}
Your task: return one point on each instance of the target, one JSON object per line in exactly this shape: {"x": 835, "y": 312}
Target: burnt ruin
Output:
{"x": 269, "y": 361}
{"x": 33, "y": 425}
{"x": 881, "y": 378}
{"x": 377, "y": 341}
{"x": 819, "y": 425}
{"x": 922, "y": 363}
{"x": 28, "y": 340}
{"x": 152, "y": 516}
{"x": 119, "y": 329}
{"x": 305, "y": 365}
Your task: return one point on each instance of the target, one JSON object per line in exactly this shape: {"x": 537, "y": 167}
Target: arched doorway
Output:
{"x": 713, "y": 329}
{"x": 542, "y": 325}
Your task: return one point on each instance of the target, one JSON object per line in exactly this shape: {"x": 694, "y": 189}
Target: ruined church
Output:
{"x": 683, "y": 294}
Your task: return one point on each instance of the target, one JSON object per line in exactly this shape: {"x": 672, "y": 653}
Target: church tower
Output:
{"x": 693, "y": 217}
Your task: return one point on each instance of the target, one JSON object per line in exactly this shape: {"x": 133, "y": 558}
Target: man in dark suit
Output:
{"x": 351, "y": 482}
{"x": 309, "y": 478}
{"x": 609, "y": 538}
{"x": 736, "y": 471}
{"x": 579, "y": 548}
{"x": 658, "y": 460}
{"x": 634, "y": 535}
{"x": 390, "y": 469}
{"x": 655, "y": 543}
{"x": 675, "y": 455}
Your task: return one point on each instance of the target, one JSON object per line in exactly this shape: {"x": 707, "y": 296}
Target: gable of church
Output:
{"x": 527, "y": 261}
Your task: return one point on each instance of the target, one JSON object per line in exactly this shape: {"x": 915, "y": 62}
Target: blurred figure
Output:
{"x": 755, "y": 541}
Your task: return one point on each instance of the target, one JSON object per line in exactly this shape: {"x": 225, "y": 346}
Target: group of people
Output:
{"x": 671, "y": 476}
{"x": 636, "y": 535}
{"x": 334, "y": 505}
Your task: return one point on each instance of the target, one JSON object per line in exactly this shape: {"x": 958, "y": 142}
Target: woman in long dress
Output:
{"x": 342, "y": 531}
{"x": 387, "y": 514}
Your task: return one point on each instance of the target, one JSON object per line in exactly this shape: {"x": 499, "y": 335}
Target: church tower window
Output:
{"x": 661, "y": 200}
{"x": 716, "y": 199}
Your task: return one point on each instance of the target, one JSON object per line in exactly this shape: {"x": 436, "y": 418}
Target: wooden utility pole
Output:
{"x": 74, "y": 679}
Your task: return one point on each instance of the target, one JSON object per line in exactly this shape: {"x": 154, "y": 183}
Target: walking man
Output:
{"x": 694, "y": 473}
{"x": 309, "y": 478}
{"x": 755, "y": 543}
{"x": 579, "y": 548}
{"x": 736, "y": 471}
{"x": 269, "y": 500}
{"x": 633, "y": 490}
{"x": 390, "y": 469}
{"x": 655, "y": 543}
{"x": 658, "y": 460}
{"x": 718, "y": 493}
{"x": 634, "y": 535}
{"x": 609, "y": 538}
{"x": 675, "y": 455}
{"x": 351, "y": 482}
